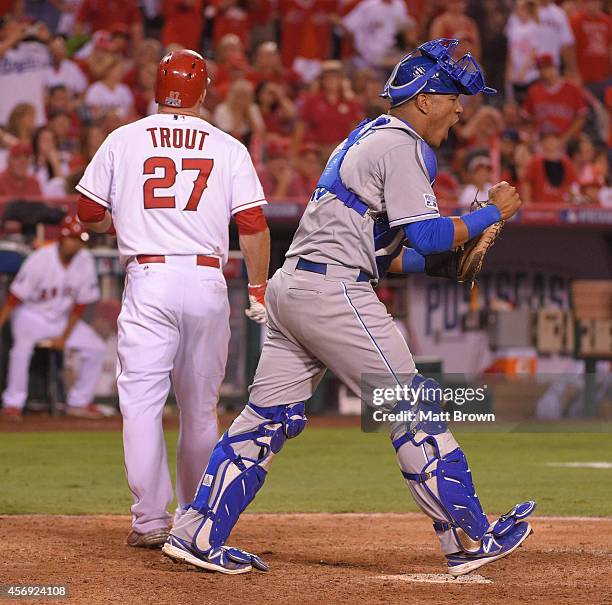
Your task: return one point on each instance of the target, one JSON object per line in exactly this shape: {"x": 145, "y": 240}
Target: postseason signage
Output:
{"x": 529, "y": 268}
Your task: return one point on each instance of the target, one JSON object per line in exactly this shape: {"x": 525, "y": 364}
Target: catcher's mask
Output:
{"x": 430, "y": 68}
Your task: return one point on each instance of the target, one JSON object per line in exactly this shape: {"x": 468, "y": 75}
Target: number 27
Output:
{"x": 204, "y": 168}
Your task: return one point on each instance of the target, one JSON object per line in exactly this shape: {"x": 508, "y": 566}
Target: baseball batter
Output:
{"x": 374, "y": 195}
{"x": 46, "y": 301}
{"x": 168, "y": 185}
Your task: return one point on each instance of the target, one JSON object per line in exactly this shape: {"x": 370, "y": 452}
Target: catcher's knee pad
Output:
{"x": 238, "y": 466}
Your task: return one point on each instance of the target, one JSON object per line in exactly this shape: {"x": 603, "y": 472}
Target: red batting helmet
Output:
{"x": 182, "y": 77}
{"x": 70, "y": 227}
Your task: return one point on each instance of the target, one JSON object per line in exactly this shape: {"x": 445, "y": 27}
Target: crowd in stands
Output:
{"x": 290, "y": 79}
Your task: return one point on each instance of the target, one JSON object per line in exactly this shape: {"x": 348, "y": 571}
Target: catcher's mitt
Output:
{"x": 464, "y": 263}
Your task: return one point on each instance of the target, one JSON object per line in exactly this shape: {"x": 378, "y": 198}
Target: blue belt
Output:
{"x": 321, "y": 268}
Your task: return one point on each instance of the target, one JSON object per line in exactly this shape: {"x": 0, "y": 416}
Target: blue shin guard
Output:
{"x": 444, "y": 489}
{"x": 238, "y": 467}
{"x": 439, "y": 478}
{"x": 437, "y": 472}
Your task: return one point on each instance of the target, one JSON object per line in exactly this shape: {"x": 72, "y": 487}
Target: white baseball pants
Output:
{"x": 28, "y": 328}
{"x": 173, "y": 325}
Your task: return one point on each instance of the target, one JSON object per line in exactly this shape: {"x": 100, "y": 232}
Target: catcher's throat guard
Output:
{"x": 430, "y": 68}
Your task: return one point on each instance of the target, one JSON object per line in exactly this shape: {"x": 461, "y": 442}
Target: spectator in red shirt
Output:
{"x": 95, "y": 15}
{"x": 327, "y": 116}
{"x": 232, "y": 65}
{"x": 550, "y": 175}
{"x": 278, "y": 178}
{"x": 230, "y": 18}
{"x": 261, "y": 19}
{"x": 454, "y": 23}
{"x": 183, "y": 23}
{"x": 306, "y": 28}
{"x": 447, "y": 187}
{"x": 608, "y": 103}
{"x": 269, "y": 67}
{"x": 593, "y": 32}
{"x": 16, "y": 181}
{"x": 277, "y": 109}
{"x": 144, "y": 91}
{"x": 309, "y": 166}
{"x": 555, "y": 101}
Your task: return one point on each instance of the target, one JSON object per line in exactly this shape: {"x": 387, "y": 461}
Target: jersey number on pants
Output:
{"x": 204, "y": 168}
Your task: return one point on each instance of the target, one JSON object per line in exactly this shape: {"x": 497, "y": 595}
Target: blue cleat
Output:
{"x": 242, "y": 556}
{"x": 492, "y": 548}
{"x": 222, "y": 559}
{"x": 507, "y": 522}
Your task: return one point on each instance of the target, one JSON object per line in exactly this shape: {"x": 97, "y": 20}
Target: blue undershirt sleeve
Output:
{"x": 412, "y": 261}
{"x": 431, "y": 236}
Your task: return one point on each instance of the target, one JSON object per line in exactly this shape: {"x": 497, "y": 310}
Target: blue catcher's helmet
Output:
{"x": 431, "y": 68}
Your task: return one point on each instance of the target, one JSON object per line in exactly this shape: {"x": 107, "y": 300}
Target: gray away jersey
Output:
{"x": 386, "y": 170}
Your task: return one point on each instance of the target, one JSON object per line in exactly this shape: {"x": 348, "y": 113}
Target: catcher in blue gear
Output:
{"x": 374, "y": 210}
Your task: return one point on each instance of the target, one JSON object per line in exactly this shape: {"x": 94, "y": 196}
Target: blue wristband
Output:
{"x": 412, "y": 261}
{"x": 479, "y": 220}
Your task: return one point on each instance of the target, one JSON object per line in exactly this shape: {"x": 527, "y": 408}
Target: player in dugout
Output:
{"x": 46, "y": 301}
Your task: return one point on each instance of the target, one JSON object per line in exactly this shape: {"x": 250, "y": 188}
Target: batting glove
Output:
{"x": 257, "y": 305}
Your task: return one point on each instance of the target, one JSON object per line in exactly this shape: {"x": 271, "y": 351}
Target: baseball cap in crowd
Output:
{"x": 71, "y": 227}
{"x": 21, "y": 149}
{"x": 331, "y": 67}
{"x": 545, "y": 60}
{"x": 103, "y": 40}
{"x": 479, "y": 161}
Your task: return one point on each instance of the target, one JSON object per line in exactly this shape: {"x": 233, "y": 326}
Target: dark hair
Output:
{"x": 573, "y": 146}
{"x": 36, "y": 143}
{"x": 258, "y": 91}
{"x": 54, "y": 89}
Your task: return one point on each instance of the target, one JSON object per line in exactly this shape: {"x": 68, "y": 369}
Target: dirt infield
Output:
{"x": 315, "y": 558}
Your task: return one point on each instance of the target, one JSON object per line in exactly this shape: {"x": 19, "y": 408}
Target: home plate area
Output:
{"x": 314, "y": 558}
{"x": 435, "y": 578}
